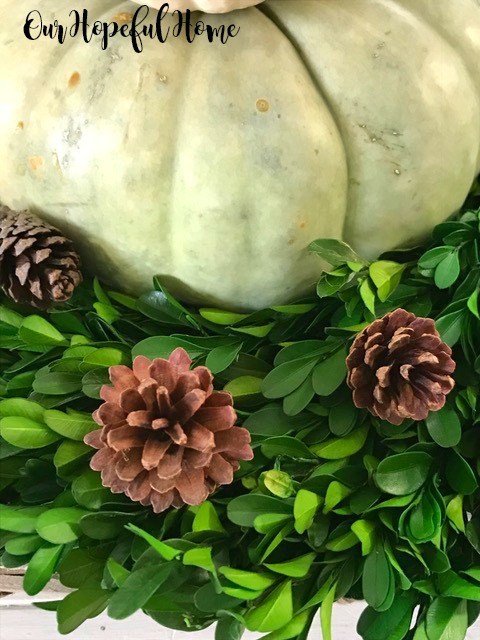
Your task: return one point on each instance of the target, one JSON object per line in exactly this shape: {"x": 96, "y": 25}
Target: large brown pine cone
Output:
{"x": 399, "y": 368}
{"x": 38, "y": 265}
{"x": 167, "y": 438}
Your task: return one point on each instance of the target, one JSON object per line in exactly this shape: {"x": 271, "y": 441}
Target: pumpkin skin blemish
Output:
{"x": 74, "y": 80}
{"x": 262, "y": 105}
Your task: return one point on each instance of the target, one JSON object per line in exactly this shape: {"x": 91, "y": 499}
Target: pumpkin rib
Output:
{"x": 265, "y": 9}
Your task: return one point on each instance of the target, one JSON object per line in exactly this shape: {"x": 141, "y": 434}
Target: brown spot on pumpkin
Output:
{"x": 123, "y": 18}
{"x": 36, "y": 162}
{"x": 291, "y": 241}
{"x": 262, "y": 105}
{"x": 74, "y": 80}
{"x": 302, "y": 224}
{"x": 21, "y": 125}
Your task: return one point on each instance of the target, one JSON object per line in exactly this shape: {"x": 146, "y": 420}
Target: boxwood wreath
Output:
{"x": 336, "y": 502}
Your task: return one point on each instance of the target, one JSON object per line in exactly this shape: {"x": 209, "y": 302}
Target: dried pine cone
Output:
{"x": 400, "y": 368}
{"x": 167, "y": 438}
{"x": 38, "y": 265}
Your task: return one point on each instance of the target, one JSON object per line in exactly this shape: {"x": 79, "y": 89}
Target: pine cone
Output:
{"x": 38, "y": 265}
{"x": 167, "y": 437}
{"x": 400, "y": 368}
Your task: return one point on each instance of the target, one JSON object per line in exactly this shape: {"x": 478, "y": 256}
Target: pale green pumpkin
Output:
{"x": 215, "y": 165}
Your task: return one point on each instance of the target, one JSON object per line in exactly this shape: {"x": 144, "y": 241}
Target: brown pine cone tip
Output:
{"x": 38, "y": 265}
{"x": 399, "y": 368}
{"x": 167, "y": 438}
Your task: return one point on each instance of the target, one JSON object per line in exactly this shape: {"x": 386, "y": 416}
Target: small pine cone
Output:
{"x": 38, "y": 265}
{"x": 399, "y": 368}
{"x": 167, "y": 438}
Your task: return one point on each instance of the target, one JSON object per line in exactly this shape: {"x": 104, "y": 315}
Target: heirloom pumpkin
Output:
{"x": 215, "y": 165}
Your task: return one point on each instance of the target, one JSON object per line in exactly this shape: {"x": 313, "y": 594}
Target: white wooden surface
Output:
{"x": 19, "y": 620}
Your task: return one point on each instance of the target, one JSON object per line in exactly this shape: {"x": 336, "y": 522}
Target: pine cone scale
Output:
{"x": 399, "y": 368}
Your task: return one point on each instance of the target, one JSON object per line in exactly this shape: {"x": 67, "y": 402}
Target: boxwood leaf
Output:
{"x": 337, "y": 448}
{"x": 206, "y": 519}
{"x": 22, "y": 408}
{"x": 244, "y": 509}
{"x": 404, "y": 473}
{"x": 26, "y": 433}
{"x": 35, "y": 330}
{"x": 329, "y": 374}
{"x": 448, "y": 271}
{"x": 60, "y": 526}
{"x": 335, "y": 252}
{"x": 74, "y": 425}
{"x": 248, "y": 579}
{"x": 274, "y": 612}
{"x": 89, "y": 492}
{"x": 444, "y": 427}
{"x": 296, "y": 568}
{"x": 305, "y": 507}
{"x": 377, "y": 578}
{"x": 19, "y": 519}
{"x": 41, "y": 568}
{"x": 392, "y": 624}
{"x": 446, "y": 618}
{"x": 287, "y": 377}
{"x": 166, "y": 551}
{"x": 137, "y": 590}
{"x": 286, "y": 446}
{"x": 460, "y": 474}
{"x": 79, "y": 606}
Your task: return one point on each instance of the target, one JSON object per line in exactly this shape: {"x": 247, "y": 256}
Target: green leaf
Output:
{"x": 106, "y": 357}
{"x": 37, "y": 331}
{"x": 296, "y": 568}
{"x": 248, "y": 579}
{"x": 291, "y": 630}
{"x": 60, "y": 526}
{"x": 329, "y": 374}
{"x": 137, "y": 590}
{"x": 368, "y": 295}
{"x": 337, "y": 448}
{"x": 244, "y": 509}
{"x": 473, "y": 303}
{"x": 392, "y": 624}
{"x": 335, "y": 252}
{"x": 432, "y": 258}
{"x": 279, "y": 483}
{"x": 41, "y": 568}
{"x": 26, "y": 433}
{"x": 342, "y": 418}
{"x": 460, "y": 475}
{"x": 229, "y": 629}
{"x": 298, "y": 400}
{"x": 386, "y": 276}
{"x": 117, "y": 571}
{"x": 244, "y": 387}
{"x": 450, "y": 327}
{"x": 19, "y": 519}
{"x": 22, "y": 408}
{"x": 404, "y": 473}
{"x": 455, "y": 513}
{"x": 206, "y": 519}
{"x": 336, "y": 493}
{"x": 79, "y": 606}
{"x": 89, "y": 492}
{"x": 222, "y": 357}
{"x": 444, "y": 427}
{"x": 287, "y": 377}
{"x": 274, "y": 612}
{"x": 166, "y": 551}
{"x": 74, "y": 425}
{"x": 23, "y": 545}
{"x": 342, "y": 542}
{"x": 452, "y": 585}
{"x": 286, "y": 446}
{"x": 80, "y": 569}
{"x": 223, "y": 318}
{"x": 447, "y": 619}
{"x": 267, "y": 522}
{"x": 377, "y": 578}
{"x": 365, "y": 532}
{"x": 326, "y": 611}
{"x": 200, "y": 557}
{"x": 305, "y": 507}
{"x": 448, "y": 271}
{"x": 57, "y": 383}
{"x": 69, "y": 456}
